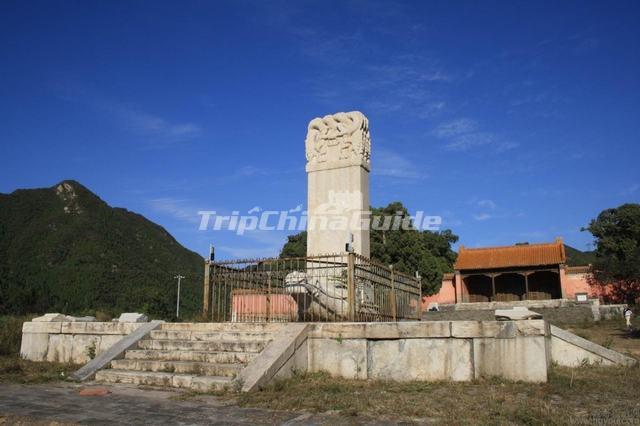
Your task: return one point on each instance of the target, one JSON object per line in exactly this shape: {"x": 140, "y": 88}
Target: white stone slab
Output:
{"x": 41, "y": 327}
{"x": 520, "y": 358}
{"x": 34, "y": 346}
{"x": 80, "y": 347}
{"x": 420, "y": 359}
{"x": 60, "y": 347}
{"x": 340, "y": 358}
{"x": 516, "y": 313}
{"x": 389, "y": 330}
{"x": 133, "y": 317}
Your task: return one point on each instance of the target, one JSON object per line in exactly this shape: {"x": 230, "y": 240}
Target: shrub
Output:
{"x": 11, "y": 334}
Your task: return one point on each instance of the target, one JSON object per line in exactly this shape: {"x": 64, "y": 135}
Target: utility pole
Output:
{"x": 178, "y": 277}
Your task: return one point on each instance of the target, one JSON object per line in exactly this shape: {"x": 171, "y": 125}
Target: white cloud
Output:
{"x": 468, "y": 141}
{"x": 456, "y": 127}
{"x": 249, "y": 253}
{"x": 392, "y": 164}
{"x": 630, "y": 190}
{"x": 176, "y": 208}
{"x": 482, "y": 216}
{"x": 463, "y": 134}
{"x": 147, "y": 124}
{"x": 489, "y": 204}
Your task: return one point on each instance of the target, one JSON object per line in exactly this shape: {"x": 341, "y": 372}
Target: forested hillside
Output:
{"x": 63, "y": 249}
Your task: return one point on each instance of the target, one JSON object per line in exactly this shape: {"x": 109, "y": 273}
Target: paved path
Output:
{"x": 131, "y": 406}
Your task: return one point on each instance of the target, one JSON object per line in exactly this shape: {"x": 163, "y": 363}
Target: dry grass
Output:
{"x": 30, "y": 421}
{"x": 16, "y": 370}
{"x": 584, "y": 395}
{"x": 611, "y": 334}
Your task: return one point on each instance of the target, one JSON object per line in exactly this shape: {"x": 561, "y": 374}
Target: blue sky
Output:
{"x": 514, "y": 121}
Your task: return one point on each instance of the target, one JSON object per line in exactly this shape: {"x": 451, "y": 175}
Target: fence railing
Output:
{"x": 336, "y": 287}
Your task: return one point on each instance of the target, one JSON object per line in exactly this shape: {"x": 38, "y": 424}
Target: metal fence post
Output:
{"x": 206, "y": 294}
{"x": 351, "y": 285}
{"x": 268, "y": 301}
{"x": 394, "y": 306}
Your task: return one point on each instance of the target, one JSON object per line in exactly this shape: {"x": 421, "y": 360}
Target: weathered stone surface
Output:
{"x": 570, "y": 350}
{"x": 213, "y": 327}
{"x": 566, "y": 354}
{"x": 498, "y": 329}
{"x": 421, "y": 359}
{"x": 110, "y": 327}
{"x": 115, "y": 351}
{"x": 520, "y": 358}
{"x": 108, "y": 340}
{"x": 341, "y": 358}
{"x": 70, "y": 318}
{"x": 133, "y": 317}
{"x": 41, "y": 327}
{"x": 517, "y": 313}
{"x": 60, "y": 347}
{"x": 81, "y": 346}
{"x": 299, "y": 362}
{"x": 34, "y": 346}
{"x": 53, "y": 317}
{"x": 338, "y": 151}
{"x": 274, "y": 356}
{"x": 74, "y": 328}
{"x": 390, "y": 330}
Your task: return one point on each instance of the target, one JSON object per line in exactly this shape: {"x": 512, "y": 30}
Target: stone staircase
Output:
{"x": 196, "y": 356}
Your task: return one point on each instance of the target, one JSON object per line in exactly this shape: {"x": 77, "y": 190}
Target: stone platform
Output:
{"x": 247, "y": 356}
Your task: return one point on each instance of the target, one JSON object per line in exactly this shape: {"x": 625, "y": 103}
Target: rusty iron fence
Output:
{"x": 335, "y": 287}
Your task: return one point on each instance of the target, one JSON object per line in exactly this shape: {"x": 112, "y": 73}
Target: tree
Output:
{"x": 296, "y": 246}
{"x": 617, "y": 266}
{"x": 408, "y": 250}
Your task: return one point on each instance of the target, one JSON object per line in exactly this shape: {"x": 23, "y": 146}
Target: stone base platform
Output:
{"x": 247, "y": 356}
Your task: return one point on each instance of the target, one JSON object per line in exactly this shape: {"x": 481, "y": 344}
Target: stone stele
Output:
{"x": 338, "y": 149}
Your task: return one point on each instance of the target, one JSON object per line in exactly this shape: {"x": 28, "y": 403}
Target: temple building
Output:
{"x": 512, "y": 273}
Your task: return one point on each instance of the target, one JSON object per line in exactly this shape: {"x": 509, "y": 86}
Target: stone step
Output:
{"x": 191, "y": 345}
{"x": 194, "y": 356}
{"x": 180, "y": 367}
{"x": 188, "y": 381}
{"x": 209, "y": 327}
{"x": 210, "y": 336}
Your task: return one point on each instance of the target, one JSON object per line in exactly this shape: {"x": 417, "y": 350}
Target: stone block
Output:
{"x": 340, "y": 358}
{"x": 133, "y": 317}
{"x": 297, "y": 363}
{"x": 278, "y": 354}
{"x": 517, "y": 313}
{"x": 80, "y": 347}
{"x": 34, "y": 346}
{"x": 498, "y": 329}
{"x": 111, "y": 327}
{"x": 55, "y": 317}
{"x": 41, "y": 327}
{"x": 107, "y": 341}
{"x": 568, "y": 355}
{"x": 389, "y": 330}
{"x": 74, "y": 328}
{"x": 519, "y": 359}
{"x": 60, "y": 348}
{"x": 571, "y": 350}
{"x": 70, "y": 318}
{"x": 421, "y": 359}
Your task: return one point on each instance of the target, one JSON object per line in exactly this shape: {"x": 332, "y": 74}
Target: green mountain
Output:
{"x": 576, "y": 257}
{"x": 63, "y": 249}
